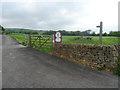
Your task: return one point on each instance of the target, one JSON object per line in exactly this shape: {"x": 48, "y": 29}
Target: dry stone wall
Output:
{"x": 101, "y": 55}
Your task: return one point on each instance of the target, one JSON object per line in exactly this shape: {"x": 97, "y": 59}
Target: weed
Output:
{"x": 101, "y": 68}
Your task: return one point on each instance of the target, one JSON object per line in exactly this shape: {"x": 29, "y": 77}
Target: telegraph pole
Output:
{"x": 100, "y": 35}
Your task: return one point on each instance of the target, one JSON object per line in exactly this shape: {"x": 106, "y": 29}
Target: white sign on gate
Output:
{"x": 58, "y": 37}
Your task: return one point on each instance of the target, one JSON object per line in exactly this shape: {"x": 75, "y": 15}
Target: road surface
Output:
{"x": 29, "y": 68}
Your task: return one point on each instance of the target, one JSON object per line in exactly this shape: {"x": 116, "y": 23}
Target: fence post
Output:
{"x": 100, "y": 36}
{"x": 101, "y": 26}
{"x": 29, "y": 41}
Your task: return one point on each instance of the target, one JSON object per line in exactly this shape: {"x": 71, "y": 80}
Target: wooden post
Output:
{"x": 29, "y": 41}
{"x": 100, "y": 35}
{"x": 101, "y": 27}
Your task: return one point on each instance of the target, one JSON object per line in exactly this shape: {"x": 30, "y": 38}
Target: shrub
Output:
{"x": 101, "y": 68}
{"x": 23, "y": 43}
{"x": 117, "y": 70}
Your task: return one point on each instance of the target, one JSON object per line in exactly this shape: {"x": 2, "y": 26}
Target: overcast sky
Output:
{"x": 60, "y": 15}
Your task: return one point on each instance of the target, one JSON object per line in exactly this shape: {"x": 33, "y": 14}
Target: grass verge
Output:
{"x": 21, "y": 39}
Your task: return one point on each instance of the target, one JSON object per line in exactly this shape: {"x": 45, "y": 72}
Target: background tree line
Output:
{"x": 51, "y": 32}
{"x": 83, "y": 33}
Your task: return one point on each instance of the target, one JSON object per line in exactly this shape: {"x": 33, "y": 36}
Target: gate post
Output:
{"x": 29, "y": 41}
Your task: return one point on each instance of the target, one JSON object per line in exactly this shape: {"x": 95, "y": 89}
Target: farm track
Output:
{"x": 28, "y": 68}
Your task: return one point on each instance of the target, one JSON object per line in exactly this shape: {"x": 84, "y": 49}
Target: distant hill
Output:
{"x": 16, "y": 29}
{"x": 22, "y": 30}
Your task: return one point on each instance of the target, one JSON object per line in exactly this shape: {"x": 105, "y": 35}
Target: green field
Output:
{"x": 77, "y": 39}
{"x": 95, "y": 40}
{"x": 71, "y": 39}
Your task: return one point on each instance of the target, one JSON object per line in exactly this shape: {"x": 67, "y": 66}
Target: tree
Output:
{"x": 86, "y": 32}
{"x": 93, "y": 34}
{"x": 105, "y": 34}
{"x": 2, "y": 29}
{"x": 114, "y": 33}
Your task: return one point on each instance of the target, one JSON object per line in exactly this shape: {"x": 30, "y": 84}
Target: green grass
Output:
{"x": 70, "y": 39}
{"x": 45, "y": 49}
{"x": 21, "y": 39}
{"x": 101, "y": 68}
{"x": 95, "y": 40}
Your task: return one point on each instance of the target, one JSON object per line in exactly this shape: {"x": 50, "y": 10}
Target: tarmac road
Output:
{"x": 29, "y": 68}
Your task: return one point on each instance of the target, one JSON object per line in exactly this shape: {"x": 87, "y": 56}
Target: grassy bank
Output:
{"x": 21, "y": 38}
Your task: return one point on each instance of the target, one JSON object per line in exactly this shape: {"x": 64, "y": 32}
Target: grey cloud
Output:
{"x": 40, "y": 15}
{"x": 50, "y": 15}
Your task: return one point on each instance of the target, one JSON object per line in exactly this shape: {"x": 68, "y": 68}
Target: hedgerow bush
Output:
{"x": 117, "y": 70}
